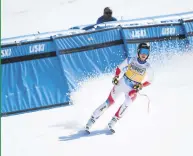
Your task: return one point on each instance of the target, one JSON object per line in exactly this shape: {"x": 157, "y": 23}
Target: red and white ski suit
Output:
{"x": 134, "y": 71}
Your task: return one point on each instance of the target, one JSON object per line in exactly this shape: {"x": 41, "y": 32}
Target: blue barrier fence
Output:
{"x": 40, "y": 71}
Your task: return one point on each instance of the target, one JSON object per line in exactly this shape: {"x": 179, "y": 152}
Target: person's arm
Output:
{"x": 148, "y": 80}
{"x": 122, "y": 66}
{"x": 99, "y": 20}
{"x": 119, "y": 70}
{"x": 114, "y": 19}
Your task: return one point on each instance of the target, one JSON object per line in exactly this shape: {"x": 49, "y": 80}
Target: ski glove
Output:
{"x": 138, "y": 87}
{"x": 115, "y": 80}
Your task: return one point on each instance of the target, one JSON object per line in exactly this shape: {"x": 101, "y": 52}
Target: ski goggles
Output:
{"x": 144, "y": 51}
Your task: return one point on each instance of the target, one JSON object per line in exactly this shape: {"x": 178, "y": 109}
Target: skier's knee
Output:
{"x": 132, "y": 94}
{"x": 121, "y": 111}
{"x": 110, "y": 100}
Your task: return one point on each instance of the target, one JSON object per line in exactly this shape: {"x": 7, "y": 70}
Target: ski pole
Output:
{"x": 148, "y": 105}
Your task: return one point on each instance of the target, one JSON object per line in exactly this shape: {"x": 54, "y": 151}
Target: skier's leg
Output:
{"x": 115, "y": 92}
{"x": 129, "y": 98}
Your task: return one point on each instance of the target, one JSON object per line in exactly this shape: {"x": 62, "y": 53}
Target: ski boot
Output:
{"x": 112, "y": 123}
{"x": 89, "y": 124}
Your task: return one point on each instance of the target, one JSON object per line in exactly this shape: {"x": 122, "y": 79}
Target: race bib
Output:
{"x": 135, "y": 72}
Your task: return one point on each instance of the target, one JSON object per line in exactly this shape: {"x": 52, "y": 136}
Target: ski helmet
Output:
{"x": 143, "y": 48}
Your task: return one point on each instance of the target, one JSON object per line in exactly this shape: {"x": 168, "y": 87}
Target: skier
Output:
{"x": 136, "y": 75}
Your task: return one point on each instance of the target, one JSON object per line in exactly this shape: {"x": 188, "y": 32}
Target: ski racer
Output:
{"x": 137, "y": 74}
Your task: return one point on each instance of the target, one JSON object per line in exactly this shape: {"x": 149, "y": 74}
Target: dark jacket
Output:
{"x": 101, "y": 20}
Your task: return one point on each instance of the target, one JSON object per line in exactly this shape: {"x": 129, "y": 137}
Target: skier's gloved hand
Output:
{"x": 115, "y": 80}
{"x": 138, "y": 87}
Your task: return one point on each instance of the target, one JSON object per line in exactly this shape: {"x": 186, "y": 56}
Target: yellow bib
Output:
{"x": 135, "y": 73}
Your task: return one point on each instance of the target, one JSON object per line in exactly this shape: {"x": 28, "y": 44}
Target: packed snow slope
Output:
{"x": 166, "y": 130}
{"x": 23, "y": 17}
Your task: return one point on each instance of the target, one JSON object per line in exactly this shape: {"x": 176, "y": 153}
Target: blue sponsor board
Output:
{"x": 87, "y": 39}
{"x": 41, "y": 74}
{"x": 153, "y": 32}
{"x": 28, "y": 49}
{"x": 189, "y": 27}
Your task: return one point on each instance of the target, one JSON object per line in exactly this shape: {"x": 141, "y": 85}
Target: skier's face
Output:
{"x": 143, "y": 57}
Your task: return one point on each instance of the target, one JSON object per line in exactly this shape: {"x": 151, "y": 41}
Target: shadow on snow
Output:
{"x": 83, "y": 133}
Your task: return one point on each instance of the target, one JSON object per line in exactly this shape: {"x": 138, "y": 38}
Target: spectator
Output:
{"x": 107, "y": 16}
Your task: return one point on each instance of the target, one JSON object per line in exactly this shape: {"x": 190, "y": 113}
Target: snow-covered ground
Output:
{"x": 166, "y": 131}
{"x": 21, "y": 17}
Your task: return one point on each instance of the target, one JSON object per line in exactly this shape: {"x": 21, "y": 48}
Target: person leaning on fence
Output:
{"x": 107, "y": 16}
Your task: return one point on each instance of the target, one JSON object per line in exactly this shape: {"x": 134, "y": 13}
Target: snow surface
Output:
{"x": 21, "y": 17}
{"x": 166, "y": 131}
